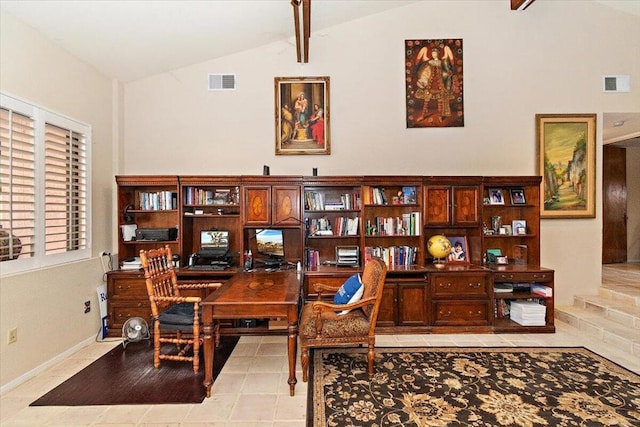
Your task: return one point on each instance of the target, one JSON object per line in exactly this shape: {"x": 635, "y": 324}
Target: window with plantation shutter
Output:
{"x": 44, "y": 212}
{"x": 65, "y": 190}
{"x": 17, "y": 183}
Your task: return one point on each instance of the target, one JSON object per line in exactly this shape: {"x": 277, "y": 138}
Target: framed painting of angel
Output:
{"x": 434, "y": 84}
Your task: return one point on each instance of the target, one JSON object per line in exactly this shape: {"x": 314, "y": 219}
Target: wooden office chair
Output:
{"x": 175, "y": 318}
{"x": 321, "y": 325}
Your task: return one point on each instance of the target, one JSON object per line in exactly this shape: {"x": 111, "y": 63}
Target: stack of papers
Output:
{"x": 528, "y": 313}
{"x": 131, "y": 264}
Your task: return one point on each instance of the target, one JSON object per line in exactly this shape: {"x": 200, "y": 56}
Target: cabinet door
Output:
{"x": 412, "y": 304}
{"x": 465, "y": 205}
{"x": 437, "y": 205}
{"x": 286, "y": 209}
{"x": 258, "y": 205}
{"x": 387, "y": 310}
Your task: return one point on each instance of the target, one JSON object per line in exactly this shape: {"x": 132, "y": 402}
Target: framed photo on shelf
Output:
{"x": 566, "y": 147}
{"x": 302, "y": 115}
{"x": 519, "y": 226}
{"x": 517, "y": 196}
{"x": 496, "y": 197}
{"x": 459, "y": 250}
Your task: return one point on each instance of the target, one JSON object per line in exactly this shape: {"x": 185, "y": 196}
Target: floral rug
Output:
{"x": 465, "y": 386}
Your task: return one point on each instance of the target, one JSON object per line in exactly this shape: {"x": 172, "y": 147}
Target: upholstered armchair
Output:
{"x": 175, "y": 318}
{"x": 324, "y": 324}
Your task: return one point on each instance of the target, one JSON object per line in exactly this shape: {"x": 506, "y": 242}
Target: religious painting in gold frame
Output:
{"x": 434, "y": 83}
{"x": 566, "y": 145}
{"x": 302, "y": 115}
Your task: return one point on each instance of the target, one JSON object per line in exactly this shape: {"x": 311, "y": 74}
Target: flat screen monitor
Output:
{"x": 214, "y": 242}
{"x": 270, "y": 242}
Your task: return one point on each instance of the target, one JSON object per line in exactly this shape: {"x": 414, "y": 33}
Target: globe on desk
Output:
{"x": 439, "y": 247}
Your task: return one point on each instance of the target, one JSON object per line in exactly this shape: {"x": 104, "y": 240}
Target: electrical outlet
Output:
{"x": 87, "y": 307}
{"x": 12, "y": 335}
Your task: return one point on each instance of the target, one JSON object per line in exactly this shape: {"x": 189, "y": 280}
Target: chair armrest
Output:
{"x": 211, "y": 285}
{"x": 320, "y": 306}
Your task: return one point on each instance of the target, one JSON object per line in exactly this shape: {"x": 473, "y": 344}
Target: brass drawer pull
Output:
{"x": 445, "y": 314}
{"x": 446, "y": 286}
{"x": 475, "y": 285}
{"x": 122, "y": 287}
{"x": 477, "y": 313}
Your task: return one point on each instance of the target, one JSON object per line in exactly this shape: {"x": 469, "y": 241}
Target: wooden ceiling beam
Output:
{"x": 306, "y": 24}
{"x": 521, "y": 4}
{"x": 296, "y": 24}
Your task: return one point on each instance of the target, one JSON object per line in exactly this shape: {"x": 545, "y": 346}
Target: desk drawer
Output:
{"x": 120, "y": 312}
{"x": 449, "y": 285}
{"x": 309, "y": 284}
{"x": 451, "y": 313}
{"x": 130, "y": 287}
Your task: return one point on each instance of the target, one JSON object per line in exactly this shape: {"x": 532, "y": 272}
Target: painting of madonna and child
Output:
{"x": 434, "y": 86}
{"x": 302, "y": 115}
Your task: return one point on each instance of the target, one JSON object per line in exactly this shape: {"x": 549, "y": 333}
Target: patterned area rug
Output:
{"x": 471, "y": 387}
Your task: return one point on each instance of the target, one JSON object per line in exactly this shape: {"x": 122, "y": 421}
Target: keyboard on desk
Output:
{"x": 210, "y": 267}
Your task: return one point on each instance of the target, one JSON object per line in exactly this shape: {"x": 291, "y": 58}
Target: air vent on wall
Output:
{"x": 616, "y": 84}
{"x": 222, "y": 81}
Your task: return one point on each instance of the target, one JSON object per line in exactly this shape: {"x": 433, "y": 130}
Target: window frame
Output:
{"x": 41, "y": 117}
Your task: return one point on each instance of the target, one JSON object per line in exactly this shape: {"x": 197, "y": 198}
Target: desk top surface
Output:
{"x": 258, "y": 288}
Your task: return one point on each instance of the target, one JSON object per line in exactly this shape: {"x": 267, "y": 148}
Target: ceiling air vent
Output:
{"x": 222, "y": 82}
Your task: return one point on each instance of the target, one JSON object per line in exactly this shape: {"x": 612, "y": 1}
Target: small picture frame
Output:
{"x": 493, "y": 254}
{"x": 496, "y": 197}
{"x": 459, "y": 250}
{"x": 518, "y": 197}
{"x": 508, "y": 230}
{"x": 519, "y": 227}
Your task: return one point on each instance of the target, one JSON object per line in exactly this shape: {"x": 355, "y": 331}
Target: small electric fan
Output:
{"x": 134, "y": 329}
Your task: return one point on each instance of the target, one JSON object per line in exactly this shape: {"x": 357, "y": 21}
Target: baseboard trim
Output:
{"x": 38, "y": 369}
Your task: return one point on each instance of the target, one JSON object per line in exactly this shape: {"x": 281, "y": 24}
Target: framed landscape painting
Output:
{"x": 566, "y": 145}
{"x": 302, "y": 115}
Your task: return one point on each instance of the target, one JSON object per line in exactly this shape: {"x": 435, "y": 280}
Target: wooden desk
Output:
{"x": 254, "y": 295}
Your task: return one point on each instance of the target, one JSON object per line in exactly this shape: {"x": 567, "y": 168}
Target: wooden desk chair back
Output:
{"x": 322, "y": 326}
{"x": 175, "y": 318}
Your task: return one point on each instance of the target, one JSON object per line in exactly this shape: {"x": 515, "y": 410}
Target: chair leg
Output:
{"x": 156, "y": 345}
{"x": 304, "y": 360}
{"x": 371, "y": 356}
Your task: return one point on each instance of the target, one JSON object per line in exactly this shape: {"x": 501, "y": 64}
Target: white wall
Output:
{"x": 549, "y": 59}
{"x": 47, "y": 305}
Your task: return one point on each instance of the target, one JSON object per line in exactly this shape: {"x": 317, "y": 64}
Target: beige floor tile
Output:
{"x": 124, "y": 414}
{"x": 166, "y": 414}
{"x": 291, "y": 408}
{"x": 254, "y": 407}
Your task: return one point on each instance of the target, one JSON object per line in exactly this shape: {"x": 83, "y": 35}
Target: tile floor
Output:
{"x": 252, "y": 389}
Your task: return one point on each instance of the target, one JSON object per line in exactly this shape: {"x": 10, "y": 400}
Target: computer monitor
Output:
{"x": 214, "y": 243}
{"x": 270, "y": 242}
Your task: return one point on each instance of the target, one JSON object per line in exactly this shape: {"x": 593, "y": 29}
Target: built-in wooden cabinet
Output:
{"x": 387, "y": 216}
{"x": 146, "y": 202}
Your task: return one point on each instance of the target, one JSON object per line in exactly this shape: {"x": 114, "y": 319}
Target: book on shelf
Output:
{"x": 409, "y": 195}
{"x": 542, "y": 290}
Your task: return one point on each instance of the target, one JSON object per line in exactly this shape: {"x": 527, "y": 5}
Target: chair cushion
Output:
{"x": 177, "y": 315}
{"x": 351, "y": 291}
{"x": 352, "y": 324}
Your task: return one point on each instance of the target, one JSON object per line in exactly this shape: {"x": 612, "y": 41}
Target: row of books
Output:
{"x": 393, "y": 256}
{"x": 341, "y": 226}
{"x": 378, "y": 196}
{"x": 406, "y": 225}
{"x": 157, "y": 200}
{"x": 219, "y": 196}
{"x": 534, "y": 288}
{"x": 318, "y": 201}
